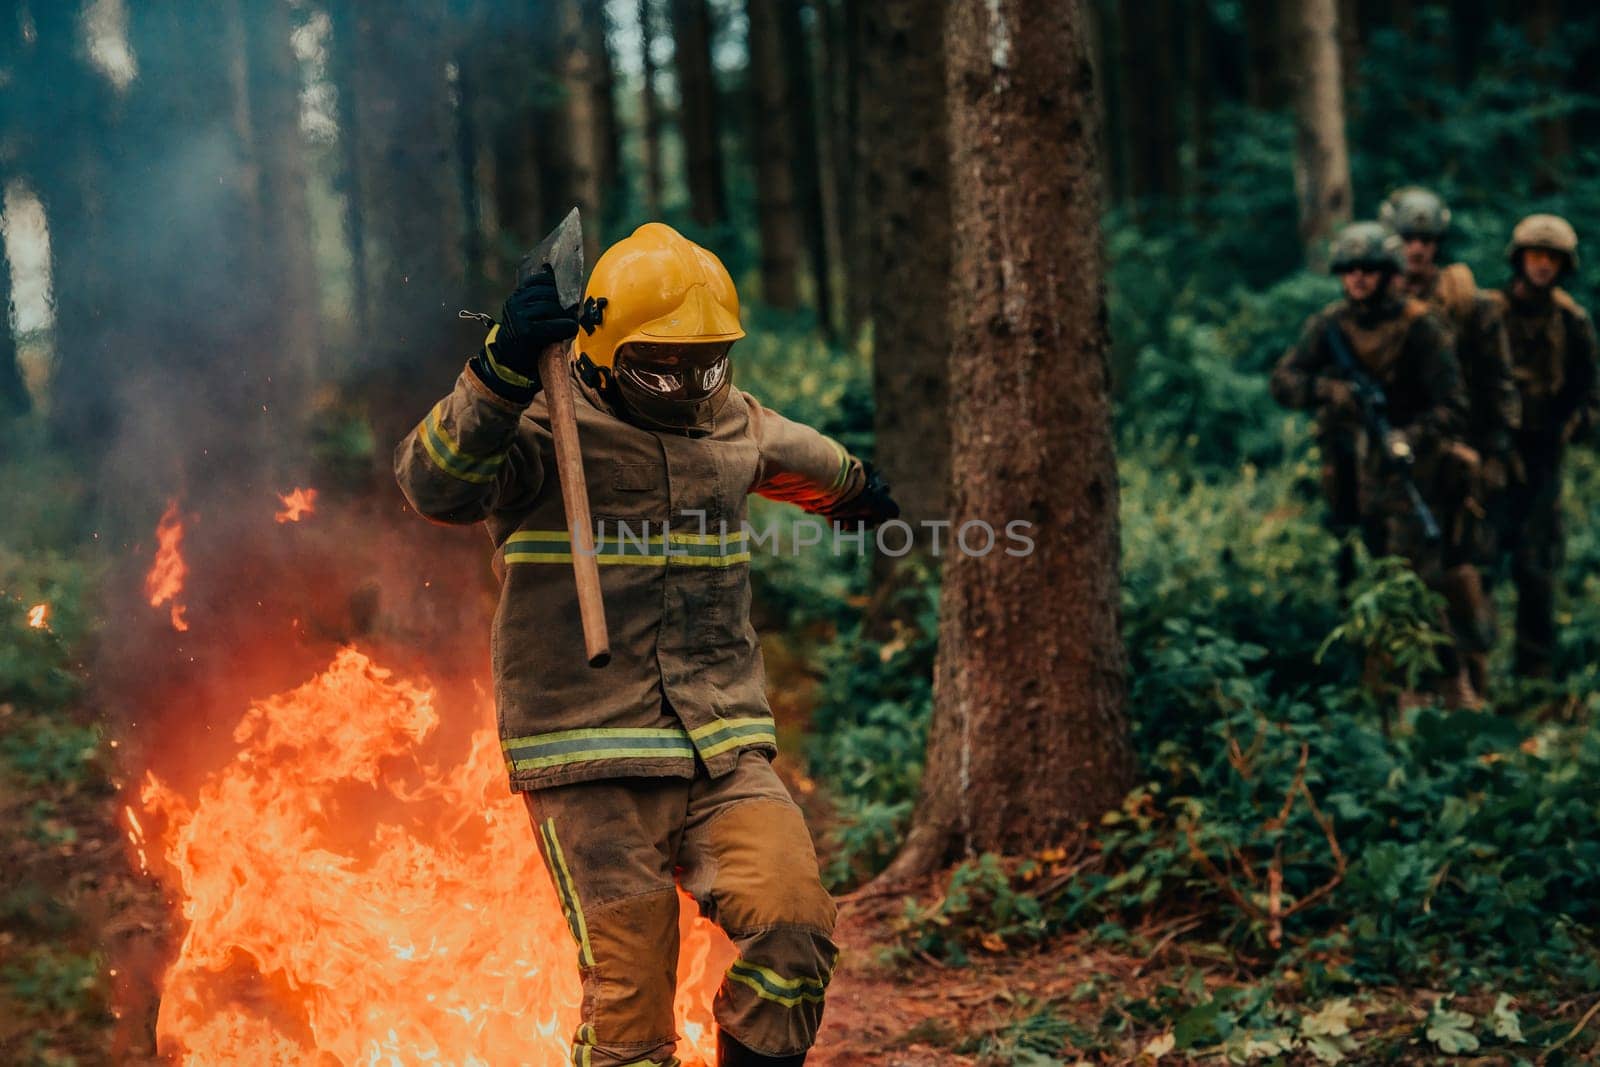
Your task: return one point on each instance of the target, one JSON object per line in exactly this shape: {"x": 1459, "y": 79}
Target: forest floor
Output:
{"x": 80, "y": 903}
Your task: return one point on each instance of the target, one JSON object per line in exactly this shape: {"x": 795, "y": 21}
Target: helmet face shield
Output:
{"x": 678, "y": 385}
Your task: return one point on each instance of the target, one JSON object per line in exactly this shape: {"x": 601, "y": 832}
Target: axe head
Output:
{"x": 562, "y": 250}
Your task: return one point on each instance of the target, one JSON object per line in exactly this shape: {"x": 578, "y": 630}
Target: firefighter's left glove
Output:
{"x": 532, "y": 320}
{"x": 873, "y": 504}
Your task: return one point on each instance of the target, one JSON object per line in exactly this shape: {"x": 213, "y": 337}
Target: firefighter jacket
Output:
{"x": 685, "y": 681}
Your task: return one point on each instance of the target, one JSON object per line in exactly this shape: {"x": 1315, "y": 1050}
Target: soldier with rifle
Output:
{"x": 1474, "y": 472}
{"x": 1380, "y": 372}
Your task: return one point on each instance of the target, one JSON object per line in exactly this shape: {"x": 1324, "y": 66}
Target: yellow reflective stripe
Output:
{"x": 564, "y": 537}
{"x": 592, "y": 732}
{"x": 844, "y": 466}
{"x": 504, "y": 373}
{"x": 589, "y": 755}
{"x": 768, "y": 985}
{"x": 583, "y": 746}
{"x": 719, "y": 725}
{"x": 569, "y": 894}
{"x": 448, "y": 456}
{"x": 734, "y": 742}
{"x": 518, "y": 556}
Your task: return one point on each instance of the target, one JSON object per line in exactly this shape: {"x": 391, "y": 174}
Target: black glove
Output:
{"x": 531, "y": 320}
{"x": 872, "y": 505}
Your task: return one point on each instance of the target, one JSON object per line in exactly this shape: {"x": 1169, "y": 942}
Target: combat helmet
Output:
{"x": 1369, "y": 245}
{"x": 1551, "y": 232}
{"x": 1413, "y": 210}
{"x": 661, "y": 314}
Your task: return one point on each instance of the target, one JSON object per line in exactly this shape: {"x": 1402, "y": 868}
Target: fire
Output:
{"x": 296, "y": 502}
{"x": 165, "y": 580}
{"x": 38, "y": 616}
{"x": 354, "y": 895}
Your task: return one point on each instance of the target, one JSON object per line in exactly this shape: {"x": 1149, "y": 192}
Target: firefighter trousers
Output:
{"x": 618, "y": 849}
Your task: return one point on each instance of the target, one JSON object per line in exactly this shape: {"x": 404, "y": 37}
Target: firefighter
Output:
{"x": 1405, "y": 349}
{"x": 1473, "y": 471}
{"x": 654, "y": 772}
{"x": 1553, "y": 355}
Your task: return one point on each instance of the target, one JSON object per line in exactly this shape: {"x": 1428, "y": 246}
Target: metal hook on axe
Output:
{"x": 562, "y": 250}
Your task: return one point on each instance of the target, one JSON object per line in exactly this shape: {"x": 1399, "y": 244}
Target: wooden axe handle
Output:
{"x": 554, "y": 374}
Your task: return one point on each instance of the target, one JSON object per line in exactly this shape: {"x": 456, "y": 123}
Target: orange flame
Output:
{"x": 165, "y": 580}
{"x": 296, "y": 502}
{"x": 355, "y": 896}
{"x": 38, "y": 616}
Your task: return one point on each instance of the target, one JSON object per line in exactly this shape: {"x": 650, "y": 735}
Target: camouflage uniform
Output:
{"x": 1554, "y": 351}
{"x": 1472, "y": 473}
{"x": 1407, "y": 350}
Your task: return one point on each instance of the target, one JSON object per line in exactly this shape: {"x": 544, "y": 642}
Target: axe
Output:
{"x": 562, "y": 250}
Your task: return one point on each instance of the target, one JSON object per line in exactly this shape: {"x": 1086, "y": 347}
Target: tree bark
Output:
{"x": 1029, "y": 741}
{"x": 697, "y": 121}
{"x": 1266, "y": 82}
{"x": 14, "y": 399}
{"x": 808, "y": 154}
{"x": 1543, "y": 20}
{"x": 774, "y": 147}
{"x": 650, "y": 110}
{"x": 1148, "y": 72}
{"x": 584, "y": 141}
{"x": 603, "y": 93}
{"x": 1322, "y": 161}
{"x": 906, "y": 196}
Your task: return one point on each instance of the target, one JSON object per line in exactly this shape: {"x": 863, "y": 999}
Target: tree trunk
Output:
{"x": 1322, "y": 162}
{"x": 807, "y": 155}
{"x": 584, "y": 139}
{"x": 1148, "y": 70}
{"x": 774, "y": 144}
{"x": 855, "y": 213}
{"x": 1029, "y": 740}
{"x": 905, "y": 167}
{"x": 410, "y": 198}
{"x": 697, "y": 121}
{"x": 603, "y": 93}
{"x": 1266, "y": 81}
{"x": 650, "y": 111}
{"x": 1543, "y": 21}
{"x": 1202, "y": 46}
{"x": 284, "y": 237}
{"x": 14, "y": 398}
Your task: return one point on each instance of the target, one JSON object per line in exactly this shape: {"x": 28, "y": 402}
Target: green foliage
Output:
{"x": 56, "y": 982}
{"x": 981, "y": 908}
{"x": 36, "y": 663}
{"x": 1393, "y": 621}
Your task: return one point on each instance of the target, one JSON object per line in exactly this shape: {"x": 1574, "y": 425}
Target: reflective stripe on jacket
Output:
{"x": 685, "y": 680}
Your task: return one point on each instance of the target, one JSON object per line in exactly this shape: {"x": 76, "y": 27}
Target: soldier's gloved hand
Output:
{"x": 532, "y": 320}
{"x": 1338, "y": 394}
{"x": 874, "y": 504}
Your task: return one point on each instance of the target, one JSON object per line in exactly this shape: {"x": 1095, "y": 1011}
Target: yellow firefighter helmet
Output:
{"x": 667, "y": 314}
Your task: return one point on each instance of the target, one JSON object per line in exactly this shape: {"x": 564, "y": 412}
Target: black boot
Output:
{"x": 732, "y": 1054}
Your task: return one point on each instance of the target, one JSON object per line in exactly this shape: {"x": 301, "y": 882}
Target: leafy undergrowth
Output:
{"x": 78, "y": 902}
{"x": 1163, "y": 991}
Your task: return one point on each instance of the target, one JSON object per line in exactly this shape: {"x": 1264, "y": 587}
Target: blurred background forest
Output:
{"x": 238, "y": 234}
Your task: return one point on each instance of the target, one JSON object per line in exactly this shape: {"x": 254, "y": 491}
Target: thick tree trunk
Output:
{"x": 697, "y": 116}
{"x": 1029, "y": 741}
{"x": 771, "y": 121}
{"x": 906, "y": 197}
{"x": 1322, "y": 161}
{"x": 650, "y": 110}
{"x": 603, "y": 93}
{"x": 855, "y": 214}
{"x": 808, "y": 154}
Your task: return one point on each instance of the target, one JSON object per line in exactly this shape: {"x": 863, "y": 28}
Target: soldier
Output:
{"x": 1472, "y": 471}
{"x": 1553, "y": 355}
{"x": 654, "y": 772}
{"x": 1405, "y": 349}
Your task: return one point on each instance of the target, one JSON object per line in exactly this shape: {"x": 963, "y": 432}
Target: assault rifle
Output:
{"x": 1374, "y": 405}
